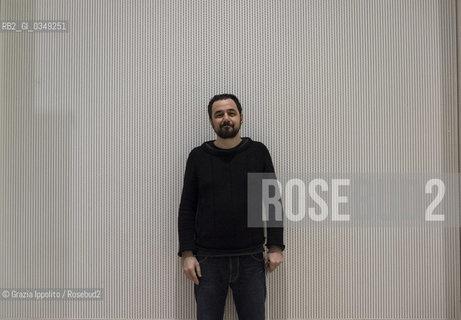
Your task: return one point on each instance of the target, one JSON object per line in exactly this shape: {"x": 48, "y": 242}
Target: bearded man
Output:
{"x": 217, "y": 248}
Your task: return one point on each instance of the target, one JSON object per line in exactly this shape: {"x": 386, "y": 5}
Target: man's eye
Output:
{"x": 218, "y": 115}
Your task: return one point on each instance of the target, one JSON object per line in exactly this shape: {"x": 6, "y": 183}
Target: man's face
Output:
{"x": 225, "y": 118}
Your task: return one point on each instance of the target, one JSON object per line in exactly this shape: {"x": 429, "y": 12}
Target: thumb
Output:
{"x": 199, "y": 272}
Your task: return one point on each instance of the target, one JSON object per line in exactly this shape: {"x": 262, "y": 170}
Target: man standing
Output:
{"x": 216, "y": 246}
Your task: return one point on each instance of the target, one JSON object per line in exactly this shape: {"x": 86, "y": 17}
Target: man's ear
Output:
{"x": 241, "y": 117}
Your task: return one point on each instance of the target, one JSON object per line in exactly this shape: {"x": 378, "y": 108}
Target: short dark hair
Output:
{"x": 224, "y": 96}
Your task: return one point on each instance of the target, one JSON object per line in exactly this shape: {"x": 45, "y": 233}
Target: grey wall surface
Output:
{"x": 97, "y": 123}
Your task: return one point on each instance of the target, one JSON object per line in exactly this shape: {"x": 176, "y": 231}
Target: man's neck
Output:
{"x": 227, "y": 143}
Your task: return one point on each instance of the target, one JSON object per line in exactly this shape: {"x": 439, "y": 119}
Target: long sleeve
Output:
{"x": 274, "y": 234}
{"x": 188, "y": 208}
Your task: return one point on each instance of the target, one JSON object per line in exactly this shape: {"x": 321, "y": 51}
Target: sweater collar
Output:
{"x": 211, "y": 148}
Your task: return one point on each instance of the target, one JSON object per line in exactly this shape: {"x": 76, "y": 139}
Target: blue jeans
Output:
{"x": 245, "y": 275}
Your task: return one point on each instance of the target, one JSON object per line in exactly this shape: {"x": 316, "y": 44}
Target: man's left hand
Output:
{"x": 273, "y": 259}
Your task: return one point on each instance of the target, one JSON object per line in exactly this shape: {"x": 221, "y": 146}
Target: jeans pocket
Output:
{"x": 257, "y": 256}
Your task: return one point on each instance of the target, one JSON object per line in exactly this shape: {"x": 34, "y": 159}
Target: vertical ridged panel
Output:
{"x": 94, "y": 144}
{"x": 34, "y": 175}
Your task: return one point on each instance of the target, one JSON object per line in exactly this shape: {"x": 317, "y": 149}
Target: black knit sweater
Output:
{"x": 213, "y": 210}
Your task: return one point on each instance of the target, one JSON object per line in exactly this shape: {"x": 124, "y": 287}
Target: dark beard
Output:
{"x": 226, "y": 133}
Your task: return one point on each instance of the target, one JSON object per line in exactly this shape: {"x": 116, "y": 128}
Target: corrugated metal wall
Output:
{"x": 96, "y": 125}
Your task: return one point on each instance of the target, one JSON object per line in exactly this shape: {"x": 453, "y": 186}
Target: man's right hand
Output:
{"x": 190, "y": 266}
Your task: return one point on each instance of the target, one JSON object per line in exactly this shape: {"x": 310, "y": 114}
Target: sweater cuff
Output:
{"x": 281, "y": 246}
{"x": 186, "y": 248}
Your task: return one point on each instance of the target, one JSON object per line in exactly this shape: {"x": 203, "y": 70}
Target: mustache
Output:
{"x": 227, "y": 124}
